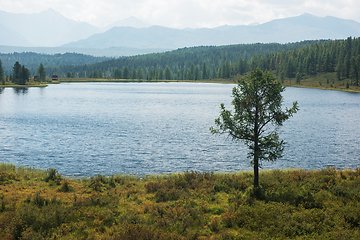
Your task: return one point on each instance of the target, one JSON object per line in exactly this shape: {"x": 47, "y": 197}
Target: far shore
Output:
{"x": 317, "y": 82}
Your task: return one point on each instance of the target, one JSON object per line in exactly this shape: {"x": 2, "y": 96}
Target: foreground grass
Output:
{"x": 292, "y": 204}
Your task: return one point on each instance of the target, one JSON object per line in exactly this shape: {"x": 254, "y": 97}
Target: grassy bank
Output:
{"x": 219, "y": 80}
{"x": 293, "y": 204}
{"x": 326, "y": 81}
{"x": 32, "y": 84}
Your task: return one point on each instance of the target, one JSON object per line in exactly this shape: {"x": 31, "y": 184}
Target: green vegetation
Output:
{"x": 50, "y": 61}
{"x": 2, "y": 77}
{"x": 292, "y": 204}
{"x": 327, "y": 64}
{"x": 41, "y": 73}
{"x": 257, "y": 116}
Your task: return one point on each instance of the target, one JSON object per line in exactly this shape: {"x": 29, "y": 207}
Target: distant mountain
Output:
{"x": 303, "y": 27}
{"x": 48, "y": 28}
{"x": 132, "y": 36}
{"x": 128, "y": 22}
{"x": 11, "y": 37}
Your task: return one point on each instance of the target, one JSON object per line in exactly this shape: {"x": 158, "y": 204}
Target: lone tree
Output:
{"x": 257, "y": 116}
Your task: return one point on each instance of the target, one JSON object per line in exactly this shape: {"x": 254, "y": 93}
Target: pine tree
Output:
{"x": 126, "y": 72}
{"x": 167, "y": 73}
{"x": 41, "y": 72}
{"x": 2, "y": 78}
{"x": 16, "y": 77}
{"x": 204, "y": 73}
{"x": 257, "y": 104}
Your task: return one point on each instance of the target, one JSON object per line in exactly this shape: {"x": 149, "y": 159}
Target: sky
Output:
{"x": 186, "y": 13}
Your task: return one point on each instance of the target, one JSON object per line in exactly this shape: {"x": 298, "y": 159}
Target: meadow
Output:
{"x": 291, "y": 204}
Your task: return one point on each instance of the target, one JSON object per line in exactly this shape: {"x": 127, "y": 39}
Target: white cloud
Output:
{"x": 186, "y": 13}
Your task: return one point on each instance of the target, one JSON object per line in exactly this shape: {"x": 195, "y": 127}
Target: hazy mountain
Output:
{"x": 132, "y": 36}
{"x": 128, "y": 22}
{"x": 11, "y": 37}
{"x": 303, "y": 27}
{"x": 48, "y": 28}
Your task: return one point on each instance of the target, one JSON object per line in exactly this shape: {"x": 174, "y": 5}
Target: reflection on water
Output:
{"x": 149, "y": 128}
{"x": 21, "y": 90}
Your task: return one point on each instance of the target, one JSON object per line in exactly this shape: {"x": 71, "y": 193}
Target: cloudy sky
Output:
{"x": 186, "y": 13}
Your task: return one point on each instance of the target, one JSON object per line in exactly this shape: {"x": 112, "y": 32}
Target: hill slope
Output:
{"x": 48, "y": 28}
{"x": 304, "y": 27}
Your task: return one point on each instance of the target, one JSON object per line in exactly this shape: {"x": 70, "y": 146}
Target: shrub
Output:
{"x": 53, "y": 175}
{"x": 65, "y": 186}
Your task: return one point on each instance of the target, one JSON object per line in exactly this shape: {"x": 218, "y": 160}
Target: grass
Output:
{"x": 327, "y": 81}
{"x": 291, "y": 204}
{"x": 218, "y": 80}
{"x": 28, "y": 84}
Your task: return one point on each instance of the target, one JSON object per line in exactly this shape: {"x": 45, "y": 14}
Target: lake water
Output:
{"x": 85, "y": 129}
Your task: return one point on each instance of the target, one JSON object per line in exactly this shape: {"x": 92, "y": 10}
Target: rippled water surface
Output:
{"x": 84, "y": 129}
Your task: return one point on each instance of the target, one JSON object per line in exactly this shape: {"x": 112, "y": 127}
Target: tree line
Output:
{"x": 187, "y": 63}
{"x": 20, "y": 74}
{"x": 32, "y": 61}
{"x": 292, "y": 60}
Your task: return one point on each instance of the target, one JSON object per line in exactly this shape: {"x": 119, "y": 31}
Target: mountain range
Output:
{"x": 49, "y": 31}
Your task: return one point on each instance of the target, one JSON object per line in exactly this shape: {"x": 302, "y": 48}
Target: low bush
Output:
{"x": 289, "y": 204}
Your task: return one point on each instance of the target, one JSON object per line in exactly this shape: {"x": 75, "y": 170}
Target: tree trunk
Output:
{"x": 256, "y": 167}
{"x": 256, "y": 146}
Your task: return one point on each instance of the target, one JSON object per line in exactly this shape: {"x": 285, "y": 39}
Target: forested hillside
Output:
{"x": 186, "y": 63}
{"x": 301, "y": 60}
{"x": 32, "y": 60}
{"x": 293, "y": 60}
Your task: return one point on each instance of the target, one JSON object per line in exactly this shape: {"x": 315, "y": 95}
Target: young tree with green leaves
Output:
{"x": 41, "y": 72}
{"x": 256, "y": 118}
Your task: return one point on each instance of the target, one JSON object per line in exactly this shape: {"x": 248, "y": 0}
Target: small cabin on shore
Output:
{"x": 54, "y": 77}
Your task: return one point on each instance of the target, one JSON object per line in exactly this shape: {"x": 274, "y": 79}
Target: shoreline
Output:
{"x": 353, "y": 89}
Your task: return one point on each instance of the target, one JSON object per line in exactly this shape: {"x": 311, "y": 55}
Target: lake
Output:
{"x": 85, "y": 129}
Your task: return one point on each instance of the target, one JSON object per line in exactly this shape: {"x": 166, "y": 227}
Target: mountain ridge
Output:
{"x": 61, "y": 34}
{"x": 53, "y": 29}
{"x": 293, "y": 29}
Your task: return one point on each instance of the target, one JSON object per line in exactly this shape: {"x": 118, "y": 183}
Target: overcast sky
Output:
{"x": 186, "y": 13}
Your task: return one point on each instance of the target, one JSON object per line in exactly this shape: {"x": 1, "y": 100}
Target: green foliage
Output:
{"x": 65, "y": 186}
{"x": 20, "y": 75}
{"x": 41, "y": 72}
{"x": 257, "y": 104}
{"x": 2, "y": 77}
{"x": 294, "y": 204}
{"x": 53, "y": 175}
